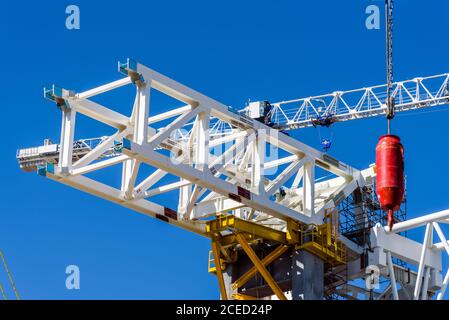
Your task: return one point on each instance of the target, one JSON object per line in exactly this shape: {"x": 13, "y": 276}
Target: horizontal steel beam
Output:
{"x": 114, "y": 195}
{"x": 401, "y": 247}
{"x": 419, "y": 222}
{"x": 231, "y": 223}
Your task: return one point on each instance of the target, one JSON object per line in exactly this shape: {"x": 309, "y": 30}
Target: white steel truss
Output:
{"x": 426, "y": 256}
{"x": 360, "y": 103}
{"x": 206, "y": 182}
{"x": 421, "y": 279}
{"x": 324, "y": 109}
{"x": 213, "y": 160}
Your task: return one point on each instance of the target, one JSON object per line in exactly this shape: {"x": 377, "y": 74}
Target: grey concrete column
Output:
{"x": 228, "y": 280}
{"x": 307, "y": 276}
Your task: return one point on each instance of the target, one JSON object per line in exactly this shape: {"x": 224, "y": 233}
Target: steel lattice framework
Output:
{"x": 268, "y": 193}
{"x": 232, "y": 180}
{"x": 361, "y": 103}
{"x": 418, "y": 93}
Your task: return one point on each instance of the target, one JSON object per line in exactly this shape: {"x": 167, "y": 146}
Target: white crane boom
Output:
{"x": 359, "y": 103}
{"x": 321, "y": 110}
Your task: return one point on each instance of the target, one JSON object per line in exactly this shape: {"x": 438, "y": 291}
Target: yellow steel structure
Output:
{"x": 292, "y": 232}
{"x": 317, "y": 240}
{"x": 230, "y": 222}
{"x": 229, "y": 240}
{"x": 240, "y": 296}
{"x": 324, "y": 240}
{"x": 9, "y": 276}
{"x": 211, "y": 267}
{"x": 219, "y": 271}
{"x": 228, "y": 231}
{"x": 253, "y": 271}
{"x": 260, "y": 267}
{"x": 332, "y": 218}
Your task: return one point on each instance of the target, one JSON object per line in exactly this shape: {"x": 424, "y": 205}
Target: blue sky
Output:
{"x": 230, "y": 50}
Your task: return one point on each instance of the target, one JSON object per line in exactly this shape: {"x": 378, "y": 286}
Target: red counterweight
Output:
{"x": 390, "y": 174}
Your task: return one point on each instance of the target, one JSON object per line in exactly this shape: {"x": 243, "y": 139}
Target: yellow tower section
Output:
{"x": 229, "y": 233}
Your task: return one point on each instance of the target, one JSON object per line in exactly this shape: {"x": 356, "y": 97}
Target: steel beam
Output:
{"x": 260, "y": 267}
{"x": 219, "y": 270}
{"x": 253, "y": 271}
{"x": 230, "y": 222}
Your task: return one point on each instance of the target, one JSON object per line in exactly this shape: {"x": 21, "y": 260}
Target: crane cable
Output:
{"x": 389, "y": 60}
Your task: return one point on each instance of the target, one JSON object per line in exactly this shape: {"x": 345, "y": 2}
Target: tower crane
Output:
{"x": 266, "y": 214}
{"x": 322, "y": 110}
{"x": 267, "y": 217}
{"x": 277, "y": 228}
